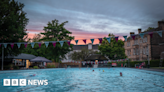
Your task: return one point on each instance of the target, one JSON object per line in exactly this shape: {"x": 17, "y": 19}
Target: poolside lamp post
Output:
{"x": 128, "y": 62}
{"x": 148, "y": 55}
{"x": 2, "y": 57}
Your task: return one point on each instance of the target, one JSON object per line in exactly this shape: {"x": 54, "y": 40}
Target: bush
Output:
{"x": 6, "y": 67}
{"x": 35, "y": 67}
{"x": 50, "y": 66}
{"x": 16, "y": 67}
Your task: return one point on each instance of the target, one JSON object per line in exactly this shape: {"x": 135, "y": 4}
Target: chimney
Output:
{"x": 139, "y": 31}
{"x": 161, "y": 25}
{"x": 131, "y": 33}
{"x": 89, "y": 46}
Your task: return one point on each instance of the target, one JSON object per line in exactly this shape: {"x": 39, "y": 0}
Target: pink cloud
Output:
{"x": 80, "y": 35}
{"x": 31, "y": 35}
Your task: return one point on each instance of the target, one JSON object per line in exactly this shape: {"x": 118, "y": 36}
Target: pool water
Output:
{"x": 85, "y": 80}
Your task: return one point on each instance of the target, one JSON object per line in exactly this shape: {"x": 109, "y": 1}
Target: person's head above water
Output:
{"x": 93, "y": 70}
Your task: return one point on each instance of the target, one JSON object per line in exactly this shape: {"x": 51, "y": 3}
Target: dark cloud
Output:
{"x": 98, "y": 16}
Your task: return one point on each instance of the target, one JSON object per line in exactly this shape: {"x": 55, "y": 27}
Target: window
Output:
{"x": 128, "y": 44}
{"x": 147, "y": 50}
{"x": 133, "y": 51}
{"x": 145, "y": 39}
{"x": 144, "y": 50}
{"x": 129, "y": 52}
{"x": 140, "y": 40}
{"x": 136, "y": 41}
{"x": 137, "y": 50}
{"x": 140, "y": 50}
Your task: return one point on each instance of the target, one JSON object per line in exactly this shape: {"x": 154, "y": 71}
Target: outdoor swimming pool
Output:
{"x": 85, "y": 80}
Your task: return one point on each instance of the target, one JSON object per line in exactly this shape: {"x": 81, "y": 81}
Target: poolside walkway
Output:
{"x": 151, "y": 69}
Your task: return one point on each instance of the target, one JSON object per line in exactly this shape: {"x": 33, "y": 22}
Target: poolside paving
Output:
{"x": 151, "y": 69}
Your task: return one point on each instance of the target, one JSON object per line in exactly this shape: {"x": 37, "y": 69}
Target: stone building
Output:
{"x": 146, "y": 48}
{"x": 78, "y": 48}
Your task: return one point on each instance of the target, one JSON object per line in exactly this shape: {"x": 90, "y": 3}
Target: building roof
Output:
{"x": 94, "y": 57}
{"x": 151, "y": 30}
{"x": 95, "y": 47}
{"x": 21, "y": 56}
{"x": 79, "y": 47}
{"x": 40, "y": 59}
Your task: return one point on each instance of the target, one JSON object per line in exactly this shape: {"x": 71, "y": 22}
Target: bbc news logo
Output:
{"x": 23, "y": 82}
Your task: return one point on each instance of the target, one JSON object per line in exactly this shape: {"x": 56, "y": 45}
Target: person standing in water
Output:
{"x": 120, "y": 73}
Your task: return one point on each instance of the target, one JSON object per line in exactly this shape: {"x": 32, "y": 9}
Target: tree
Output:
{"x": 52, "y": 32}
{"x": 36, "y": 38}
{"x": 113, "y": 50}
{"x": 84, "y": 53}
{"x": 149, "y": 28}
{"x": 12, "y": 25}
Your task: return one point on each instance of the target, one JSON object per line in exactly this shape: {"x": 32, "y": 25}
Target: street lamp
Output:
{"x": 148, "y": 55}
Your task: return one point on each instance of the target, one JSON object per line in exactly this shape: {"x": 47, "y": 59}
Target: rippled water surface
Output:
{"x": 85, "y": 80}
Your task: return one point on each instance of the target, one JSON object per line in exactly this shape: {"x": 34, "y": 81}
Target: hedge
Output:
{"x": 35, "y": 67}
{"x": 50, "y": 66}
{"x": 153, "y": 63}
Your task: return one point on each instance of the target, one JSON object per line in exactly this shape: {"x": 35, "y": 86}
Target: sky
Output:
{"x": 89, "y": 19}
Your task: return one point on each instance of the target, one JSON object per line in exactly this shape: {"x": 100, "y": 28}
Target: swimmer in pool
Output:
{"x": 103, "y": 70}
{"x": 93, "y": 70}
{"x": 31, "y": 75}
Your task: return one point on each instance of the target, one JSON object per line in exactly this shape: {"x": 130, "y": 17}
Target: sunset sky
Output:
{"x": 94, "y": 18}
